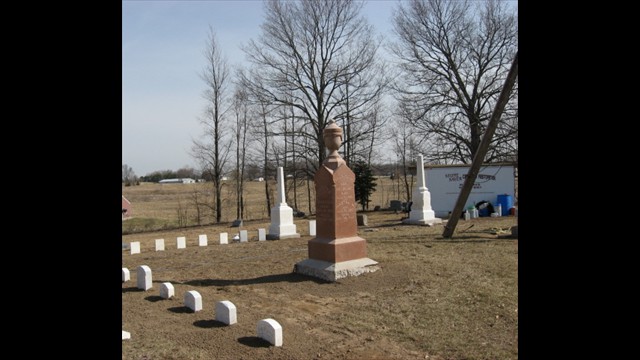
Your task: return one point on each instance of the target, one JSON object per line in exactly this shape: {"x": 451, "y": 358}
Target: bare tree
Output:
{"x": 455, "y": 56}
{"x": 241, "y": 108}
{"x": 406, "y": 147}
{"x": 212, "y": 152}
{"x": 128, "y": 175}
{"x": 307, "y": 51}
{"x": 261, "y": 129}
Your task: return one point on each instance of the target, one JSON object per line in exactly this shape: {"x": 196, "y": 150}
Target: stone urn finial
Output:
{"x": 332, "y": 135}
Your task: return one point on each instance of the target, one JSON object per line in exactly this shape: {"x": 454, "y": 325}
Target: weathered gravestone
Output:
{"x": 395, "y": 205}
{"x": 159, "y": 244}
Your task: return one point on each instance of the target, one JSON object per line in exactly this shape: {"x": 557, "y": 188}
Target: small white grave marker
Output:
{"x": 224, "y": 238}
{"x": 181, "y": 242}
{"x": 244, "y": 236}
{"x": 270, "y": 330}
{"x": 202, "y": 240}
{"x": 226, "y": 312}
{"x": 135, "y": 247}
{"x": 262, "y": 234}
{"x": 193, "y": 300}
{"x": 126, "y": 335}
{"x": 125, "y": 275}
{"x": 166, "y": 290}
{"x": 312, "y": 227}
{"x": 144, "y": 277}
{"x": 159, "y": 244}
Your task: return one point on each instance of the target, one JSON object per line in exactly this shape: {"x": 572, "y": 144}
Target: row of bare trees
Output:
{"x": 317, "y": 60}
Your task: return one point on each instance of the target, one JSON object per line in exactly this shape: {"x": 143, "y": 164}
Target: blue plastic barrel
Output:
{"x": 507, "y": 203}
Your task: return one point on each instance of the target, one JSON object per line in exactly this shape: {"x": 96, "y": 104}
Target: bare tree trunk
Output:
{"x": 293, "y": 159}
{"x": 265, "y": 167}
{"x": 212, "y": 155}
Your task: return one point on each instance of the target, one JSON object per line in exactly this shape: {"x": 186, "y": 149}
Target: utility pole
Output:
{"x": 482, "y": 149}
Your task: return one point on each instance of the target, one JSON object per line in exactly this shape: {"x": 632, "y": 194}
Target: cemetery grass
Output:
{"x": 432, "y": 298}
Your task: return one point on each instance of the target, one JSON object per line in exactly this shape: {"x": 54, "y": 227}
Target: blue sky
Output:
{"x": 162, "y": 43}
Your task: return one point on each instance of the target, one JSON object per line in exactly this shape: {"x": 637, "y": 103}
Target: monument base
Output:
{"x": 333, "y": 271}
{"x": 282, "y": 236}
{"x": 425, "y": 222}
{"x": 337, "y": 250}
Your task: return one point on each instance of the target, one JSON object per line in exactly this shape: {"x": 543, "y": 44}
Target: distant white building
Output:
{"x": 177, "y": 181}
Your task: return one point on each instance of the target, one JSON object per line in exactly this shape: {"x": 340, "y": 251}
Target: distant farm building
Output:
{"x": 177, "y": 181}
{"x": 126, "y": 208}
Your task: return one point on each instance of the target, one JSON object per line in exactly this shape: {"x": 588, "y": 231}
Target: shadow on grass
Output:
{"x": 131, "y": 289}
{"x": 289, "y": 277}
{"x": 153, "y": 298}
{"x": 470, "y": 238}
{"x": 208, "y": 324}
{"x": 181, "y": 310}
{"x": 254, "y": 341}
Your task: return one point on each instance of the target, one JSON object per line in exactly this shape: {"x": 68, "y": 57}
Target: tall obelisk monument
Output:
{"x": 421, "y": 211}
{"x": 337, "y": 251}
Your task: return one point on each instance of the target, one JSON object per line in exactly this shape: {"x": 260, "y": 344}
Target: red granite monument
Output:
{"x": 337, "y": 251}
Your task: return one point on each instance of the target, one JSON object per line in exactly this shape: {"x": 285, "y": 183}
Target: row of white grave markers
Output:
{"x": 225, "y": 311}
{"x": 181, "y": 241}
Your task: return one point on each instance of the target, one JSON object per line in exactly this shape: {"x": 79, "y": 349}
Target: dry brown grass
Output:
{"x": 433, "y": 298}
{"x": 156, "y": 206}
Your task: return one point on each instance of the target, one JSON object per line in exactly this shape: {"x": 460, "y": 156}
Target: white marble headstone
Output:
{"x": 226, "y": 312}
{"x": 181, "y": 242}
{"x": 166, "y": 290}
{"x": 224, "y": 238}
{"x": 159, "y": 244}
{"x": 144, "y": 277}
{"x": 193, "y": 300}
{"x": 312, "y": 227}
{"x": 202, "y": 240}
{"x": 135, "y": 247}
{"x": 270, "y": 330}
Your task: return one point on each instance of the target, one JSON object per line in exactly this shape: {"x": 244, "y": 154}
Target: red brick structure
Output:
{"x": 126, "y": 208}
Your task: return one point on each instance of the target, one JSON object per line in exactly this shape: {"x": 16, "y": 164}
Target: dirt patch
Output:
{"x": 432, "y": 298}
